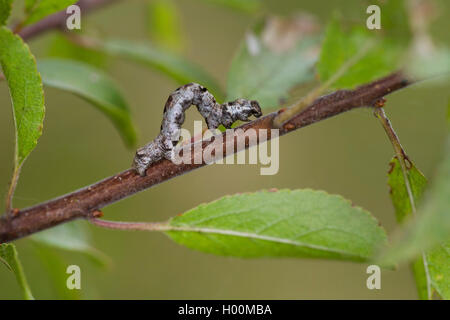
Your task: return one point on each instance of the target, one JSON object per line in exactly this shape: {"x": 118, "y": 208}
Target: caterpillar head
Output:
{"x": 243, "y": 109}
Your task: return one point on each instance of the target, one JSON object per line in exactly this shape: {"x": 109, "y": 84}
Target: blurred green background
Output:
{"x": 346, "y": 155}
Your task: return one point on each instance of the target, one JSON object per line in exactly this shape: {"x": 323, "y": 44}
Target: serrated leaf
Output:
{"x": 356, "y": 55}
{"x": 398, "y": 192}
{"x": 27, "y": 96}
{"x": 260, "y": 73}
{"x": 5, "y": 11}
{"x": 71, "y": 237}
{"x": 299, "y": 223}
{"x": 403, "y": 210}
{"x": 432, "y": 225}
{"x": 429, "y": 232}
{"x": 39, "y": 9}
{"x": 175, "y": 66}
{"x": 245, "y": 6}
{"x": 8, "y": 255}
{"x": 164, "y": 24}
{"x": 24, "y": 81}
{"x": 436, "y": 272}
{"x": 93, "y": 85}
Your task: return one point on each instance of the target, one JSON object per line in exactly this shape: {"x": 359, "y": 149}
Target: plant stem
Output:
{"x": 118, "y": 225}
{"x": 11, "y": 189}
{"x": 402, "y": 158}
{"x": 399, "y": 152}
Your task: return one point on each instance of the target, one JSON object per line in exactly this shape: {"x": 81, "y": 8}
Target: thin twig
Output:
{"x": 134, "y": 226}
{"x": 317, "y": 92}
{"x": 11, "y": 189}
{"x": 399, "y": 152}
{"x": 58, "y": 20}
{"x": 402, "y": 158}
{"x": 83, "y": 203}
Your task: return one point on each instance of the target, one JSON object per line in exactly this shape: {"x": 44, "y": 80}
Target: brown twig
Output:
{"x": 58, "y": 20}
{"x": 85, "y": 202}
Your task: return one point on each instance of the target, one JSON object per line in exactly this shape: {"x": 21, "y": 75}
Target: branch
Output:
{"x": 58, "y": 20}
{"x": 86, "y": 202}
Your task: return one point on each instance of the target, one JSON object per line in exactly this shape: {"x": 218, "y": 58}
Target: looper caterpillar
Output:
{"x": 178, "y": 102}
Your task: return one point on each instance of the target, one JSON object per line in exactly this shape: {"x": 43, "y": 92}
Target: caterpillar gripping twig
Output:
{"x": 179, "y": 101}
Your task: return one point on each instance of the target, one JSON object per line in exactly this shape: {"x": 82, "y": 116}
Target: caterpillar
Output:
{"x": 215, "y": 114}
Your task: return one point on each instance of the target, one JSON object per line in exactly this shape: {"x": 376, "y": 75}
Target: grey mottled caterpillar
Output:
{"x": 178, "y": 102}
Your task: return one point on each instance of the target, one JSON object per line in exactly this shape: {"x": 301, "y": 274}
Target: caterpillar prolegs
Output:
{"x": 215, "y": 114}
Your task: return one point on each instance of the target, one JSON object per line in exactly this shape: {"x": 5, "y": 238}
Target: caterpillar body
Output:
{"x": 215, "y": 114}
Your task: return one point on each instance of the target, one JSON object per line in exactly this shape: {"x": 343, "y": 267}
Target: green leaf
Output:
{"x": 300, "y": 223}
{"x": 398, "y": 192}
{"x": 432, "y": 226}
{"x": 71, "y": 237}
{"x": 403, "y": 210}
{"x": 420, "y": 275}
{"x": 5, "y": 11}
{"x": 395, "y": 22}
{"x": 24, "y": 81}
{"x": 239, "y": 5}
{"x": 261, "y": 73}
{"x": 63, "y": 48}
{"x": 439, "y": 269}
{"x": 164, "y": 24}
{"x": 94, "y": 86}
{"x": 39, "y": 9}
{"x": 56, "y": 267}
{"x": 25, "y": 87}
{"x": 8, "y": 255}
{"x": 175, "y": 66}
{"x": 432, "y": 64}
{"x": 29, "y": 4}
{"x": 350, "y": 58}
{"x": 430, "y": 231}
